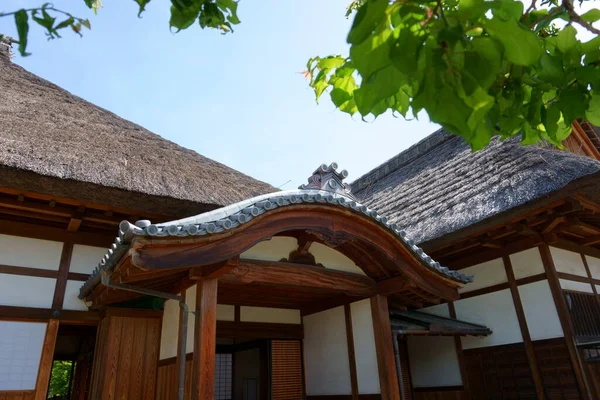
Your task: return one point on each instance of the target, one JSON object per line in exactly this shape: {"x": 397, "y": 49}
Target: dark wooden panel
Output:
{"x": 17, "y": 395}
{"x": 557, "y": 372}
{"x": 286, "y": 370}
{"x": 440, "y": 394}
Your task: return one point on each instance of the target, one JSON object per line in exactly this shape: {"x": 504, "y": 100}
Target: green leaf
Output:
{"x": 566, "y": 39}
{"x": 508, "y": 9}
{"x": 184, "y": 15}
{"x": 343, "y": 90}
{"x": 484, "y": 61}
{"x": 572, "y": 103}
{"x": 592, "y": 15}
{"x": 385, "y": 83}
{"x": 142, "y": 4}
{"x": 86, "y": 23}
{"x": 592, "y": 114}
{"x": 21, "y": 20}
{"x": 366, "y": 20}
{"x": 229, "y": 7}
{"x": 406, "y": 50}
{"x": 211, "y": 16}
{"x": 372, "y": 54}
{"x": 551, "y": 69}
{"x": 331, "y": 62}
{"x": 521, "y": 46}
{"x": 67, "y": 22}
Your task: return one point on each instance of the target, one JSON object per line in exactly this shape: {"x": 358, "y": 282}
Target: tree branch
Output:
{"x": 574, "y": 17}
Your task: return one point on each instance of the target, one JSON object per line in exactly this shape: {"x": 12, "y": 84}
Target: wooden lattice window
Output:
{"x": 286, "y": 370}
{"x": 223, "y": 376}
{"x": 585, "y": 313}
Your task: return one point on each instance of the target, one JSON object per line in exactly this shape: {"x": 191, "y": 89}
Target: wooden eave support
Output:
{"x": 76, "y": 220}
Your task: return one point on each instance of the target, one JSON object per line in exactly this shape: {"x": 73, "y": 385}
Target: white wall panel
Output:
{"x": 364, "y": 348}
{"x": 270, "y": 315}
{"x": 170, "y": 330}
{"x": 326, "y": 353}
{"x": 433, "y": 361}
{"x": 271, "y": 250}
{"x": 568, "y": 262}
{"x": 540, "y": 311}
{"x": 71, "y": 301}
{"x": 527, "y": 263}
{"x": 86, "y": 258}
{"x": 594, "y": 264}
{"x": 225, "y": 312}
{"x": 333, "y": 259}
{"x": 27, "y": 252}
{"x": 496, "y": 311}
{"x": 576, "y": 286}
{"x": 26, "y": 291}
{"x": 486, "y": 274}
{"x": 20, "y": 352}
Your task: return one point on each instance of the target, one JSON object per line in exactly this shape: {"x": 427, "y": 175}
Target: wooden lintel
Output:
{"x": 591, "y": 240}
{"x": 395, "y": 284}
{"x": 214, "y": 270}
{"x": 304, "y": 276}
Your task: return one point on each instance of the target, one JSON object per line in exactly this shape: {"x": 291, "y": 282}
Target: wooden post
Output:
{"x": 460, "y": 355}
{"x": 565, "y": 320}
{"x": 179, "y": 344}
{"x": 203, "y": 368}
{"x": 43, "y": 378}
{"x": 531, "y": 359}
{"x": 351, "y": 352}
{"x": 388, "y": 377}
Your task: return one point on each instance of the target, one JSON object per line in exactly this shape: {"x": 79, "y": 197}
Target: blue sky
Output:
{"x": 239, "y": 99}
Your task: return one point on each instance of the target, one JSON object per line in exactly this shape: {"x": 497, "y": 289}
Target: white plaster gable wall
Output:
{"x": 440, "y": 310}
{"x": 280, "y": 247}
{"x": 71, "y": 301}
{"x": 85, "y": 258}
{"x": 26, "y": 291}
{"x": 568, "y": 262}
{"x": 594, "y": 265}
{"x": 367, "y": 371}
{"x": 270, "y": 315}
{"x": 540, "y": 311}
{"x": 495, "y": 310}
{"x": 170, "y": 330}
{"x": 486, "y": 274}
{"x": 576, "y": 286}
{"x": 433, "y": 361}
{"x": 527, "y": 263}
{"x": 20, "y": 352}
{"x": 326, "y": 362}
{"x": 28, "y": 252}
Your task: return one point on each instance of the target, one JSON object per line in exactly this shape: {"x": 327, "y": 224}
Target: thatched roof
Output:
{"x": 98, "y": 156}
{"x": 439, "y": 186}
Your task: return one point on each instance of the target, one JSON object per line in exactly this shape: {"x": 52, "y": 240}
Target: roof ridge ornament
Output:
{"x": 328, "y": 178}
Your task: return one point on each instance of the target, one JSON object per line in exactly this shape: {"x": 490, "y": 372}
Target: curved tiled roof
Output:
{"x": 230, "y": 217}
{"x": 440, "y": 186}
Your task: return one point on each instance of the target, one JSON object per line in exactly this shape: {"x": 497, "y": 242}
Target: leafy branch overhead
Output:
{"x": 479, "y": 68}
{"x": 216, "y": 14}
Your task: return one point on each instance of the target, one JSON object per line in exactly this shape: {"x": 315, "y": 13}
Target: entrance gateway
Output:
{"x": 274, "y": 289}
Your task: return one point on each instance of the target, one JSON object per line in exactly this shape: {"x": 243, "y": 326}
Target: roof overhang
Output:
{"x": 416, "y": 323}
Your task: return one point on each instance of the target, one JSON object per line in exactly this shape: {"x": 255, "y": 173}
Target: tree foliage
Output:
{"x": 479, "y": 68}
{"x": 59, "y": 379}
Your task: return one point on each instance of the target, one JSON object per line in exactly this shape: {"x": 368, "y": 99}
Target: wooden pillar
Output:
{"x": 43, "y": 378}
{"x": 179, "y": 344}
{"x": 351, "y": 352}
{"x": 531, "y": 359}
{"x": 460, "y": 355}
{"x": 565, "y": 320}
{"x": 203, "y": 368}
{"x": 386, "y": 363}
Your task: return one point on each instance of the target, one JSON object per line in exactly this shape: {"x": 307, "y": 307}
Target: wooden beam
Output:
{"x": 386, "y": 362}
{"x": 43, "y": 378}
{"x": 301, "y": 276}
{"x": 351, "y": 352}
{"x": 76, "y": 220}
{"x": 214, "y": 270}
{"x": 459, "y": 354}
{"x": 394, "y": 284}
{"x": 530, "y": 353}
{"x": 565, "y": 320}
{"x": 174, "y": 394}
{"x": 574, "y": 221}
{"x": 29, "y": 314}
{"x": 548, "y": 228}
{"x": 63, "y": 273}
{"x": 203, "y": 365}
{"x": 591, "y": 240}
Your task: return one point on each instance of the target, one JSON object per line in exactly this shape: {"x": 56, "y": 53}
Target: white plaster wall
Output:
{"x": 20, "y": 352}
{"x": 26, "y": 291}
{"x": 594, "y": 265}
{"x": 486, "y": 274}
{"x": 496, "y": 311}
{"x": 271, "y": 250}
{"x": 170, "y": 330}
{"x": 270, "y": 315}
{"x": 86, "y": 258}
{"x": 27, "y": 252}
{"x": 568, "y": 262}
{"x": 576, "y": 286}
{"x": 540, "y": 311}
{"x": 326, "y": 362}
{"x": 441, "y": 310}
{"x": 333, "y": 259}
{"x": 225, "y": 312}
{"x": 71, "y": 301}
{"x": 433, "y": 361}
{"x": 364, "y": 347}
{"x": 527, "y": 263}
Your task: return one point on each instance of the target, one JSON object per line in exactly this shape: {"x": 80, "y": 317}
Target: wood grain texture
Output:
{"x": 351, "y": 352}
{"x": 533, "y": 364}
{"x": 386, "y": 362}
{"x": 565, "y": 320}
{"x": 17, "y": 395}
{"x": 43, "y": 378}
{"x": 63, "y": 272}
{"x": 203, "y": 370}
